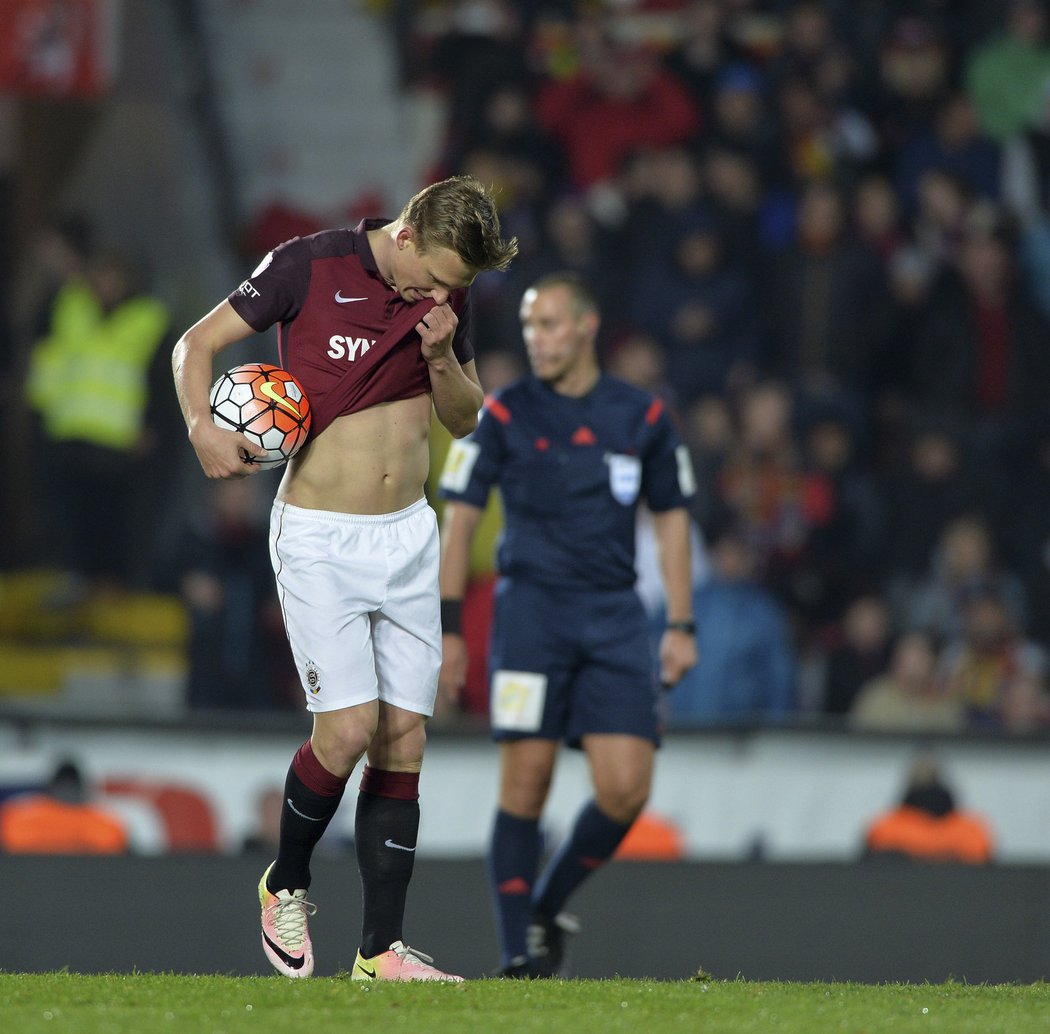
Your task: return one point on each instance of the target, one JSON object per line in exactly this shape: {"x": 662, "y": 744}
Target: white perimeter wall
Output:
{"x": 799, "y": 796}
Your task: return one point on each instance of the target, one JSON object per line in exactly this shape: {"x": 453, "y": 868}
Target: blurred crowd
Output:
{"x": 821, "y": 231}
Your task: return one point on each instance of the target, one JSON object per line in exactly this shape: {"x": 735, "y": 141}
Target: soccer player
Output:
{"x": 573, "y": 451}
{"x": 376, "y": 324}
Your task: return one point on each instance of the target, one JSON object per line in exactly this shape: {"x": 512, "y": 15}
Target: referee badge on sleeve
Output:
{"x": 459, "y": 465}
{"x": 517, "y": 700}
{"x": 625, "y": 477}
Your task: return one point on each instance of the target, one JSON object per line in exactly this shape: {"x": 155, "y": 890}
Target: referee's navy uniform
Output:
{"x": 570, "y": 650}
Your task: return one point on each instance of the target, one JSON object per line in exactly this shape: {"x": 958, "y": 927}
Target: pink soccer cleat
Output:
{"x": 285, "y": 937}
{"x": 400, "y": 963}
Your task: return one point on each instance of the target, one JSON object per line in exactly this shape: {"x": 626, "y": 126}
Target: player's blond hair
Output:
{"x": 460, "y": 214}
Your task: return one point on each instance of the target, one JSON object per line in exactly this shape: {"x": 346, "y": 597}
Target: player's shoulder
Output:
{"x": 620, "y": 393}
{"x": 502, "y": 403}
{"x": 321, "y": 245}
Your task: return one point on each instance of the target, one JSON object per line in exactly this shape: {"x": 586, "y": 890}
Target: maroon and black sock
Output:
{"x": 385, "y": 830}
{"x": 311, "y": 797}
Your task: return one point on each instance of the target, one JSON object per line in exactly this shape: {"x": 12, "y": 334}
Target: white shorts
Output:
{"x": 359, "y": 595}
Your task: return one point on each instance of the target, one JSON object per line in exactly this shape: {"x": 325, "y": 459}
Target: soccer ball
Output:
{"x": 265, "y": 403}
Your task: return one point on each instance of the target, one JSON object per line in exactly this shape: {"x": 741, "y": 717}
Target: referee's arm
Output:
{"x": 458, "y": 524}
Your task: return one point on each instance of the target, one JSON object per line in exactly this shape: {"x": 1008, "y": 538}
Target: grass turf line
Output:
{"x": 143, "y": 1003}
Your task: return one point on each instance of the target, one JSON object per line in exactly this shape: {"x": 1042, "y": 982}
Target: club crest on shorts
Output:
{"x": 313, "y": 677}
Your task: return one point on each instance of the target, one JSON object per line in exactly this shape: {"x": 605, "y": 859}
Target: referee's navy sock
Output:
{"x": 592, "y": 842}
{"x": 514, "y": 855}
{"x": 385, "y": 831}
{"x": 311, "y": 797}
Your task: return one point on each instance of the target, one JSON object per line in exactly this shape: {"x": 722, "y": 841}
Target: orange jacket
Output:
{"x": 955, "y": 837}
{"x": 42, "y": 825}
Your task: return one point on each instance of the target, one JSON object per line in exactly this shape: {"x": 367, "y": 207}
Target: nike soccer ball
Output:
{"x": 265, "y": 403}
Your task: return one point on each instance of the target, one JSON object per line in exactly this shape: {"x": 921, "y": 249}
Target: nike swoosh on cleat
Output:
{"x": 288, "y": 960}
{"x": 339, "y": 298}
{"x": 370, "y": 973}
{"x": 309, "y": 818}
{"x": 399, "y": 847}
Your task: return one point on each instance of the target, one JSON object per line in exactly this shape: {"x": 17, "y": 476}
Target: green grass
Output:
{"x": 144, "y": 1003}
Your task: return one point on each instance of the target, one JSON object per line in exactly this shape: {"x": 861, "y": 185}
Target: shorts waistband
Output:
{"x": 337, "y": 517}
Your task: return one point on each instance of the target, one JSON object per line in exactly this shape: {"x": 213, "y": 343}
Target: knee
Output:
{"x": 340, "y": 745}
{"x": 523, "y": 792}
{"x": 398, "y": 746}
{"x": 622, "y": 802}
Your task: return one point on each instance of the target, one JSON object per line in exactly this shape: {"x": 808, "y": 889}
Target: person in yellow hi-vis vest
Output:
{"x": 88, "y": 382}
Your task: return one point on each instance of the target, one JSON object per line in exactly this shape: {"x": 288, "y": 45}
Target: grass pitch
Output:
{"x": 144, "y": 1003}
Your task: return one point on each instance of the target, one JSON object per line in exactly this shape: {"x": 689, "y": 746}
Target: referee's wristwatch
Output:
{"x": 686, "y": 625}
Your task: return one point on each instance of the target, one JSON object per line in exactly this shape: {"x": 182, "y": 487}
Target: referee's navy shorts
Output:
{"x": 564, "y": 664}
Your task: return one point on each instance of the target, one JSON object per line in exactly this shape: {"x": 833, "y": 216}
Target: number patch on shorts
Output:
{"x": 517, "y": 700}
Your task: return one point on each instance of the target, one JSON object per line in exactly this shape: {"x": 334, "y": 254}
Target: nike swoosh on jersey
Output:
{"x": 267, "y": 388}
{"x": 339, "y": 298}
{"x": 399, "y": 847}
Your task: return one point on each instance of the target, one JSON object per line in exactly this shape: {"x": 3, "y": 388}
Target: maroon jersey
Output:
{"x": 348, "y": 337}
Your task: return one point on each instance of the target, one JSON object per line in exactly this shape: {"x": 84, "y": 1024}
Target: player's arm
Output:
{"x": 456, "y": 388}
{"x": 458, "y": 525}
{"x": 221, "y": 452}
{"x": 678, "y": 644}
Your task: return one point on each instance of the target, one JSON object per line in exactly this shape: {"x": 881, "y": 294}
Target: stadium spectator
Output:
{"x": 779, "y": 502}
{"x": 982, "y": 666}
{"x": 928, "y": 825}
{"x": 1006, "y": 73}
{"x": 739, "y": 118}
{"x": 875, "y": 211}
{"x": 747, "y": 668}
{"x": 915, "y": 70}
{"x": 238, "y": 658}
{"x": 708, "y": 430}
{"x": 702, "y": 49}
{"x": 965, "y": 564}
{"x": 574, "y": 453}
{"x": 90, "y": 380}
{"x": 859, "y": 653}
{"x": 907, "y": 697}
{"x": 621, "y": 99}
{"x": 953, "y": 143}
{"x": 924, "y": 484}
{"x": 827, "y": 304}
{"x": 849, "y": 547}
{"x": 1022, "y": 525}
{"x": 703, "y": 308}
{"x": 354, "y": 544}
{"x": 62, "y": 819}
{"x": 735, "y": 193}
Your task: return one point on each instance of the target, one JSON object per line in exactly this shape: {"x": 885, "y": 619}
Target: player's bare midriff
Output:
{"x": 370, "y": 462}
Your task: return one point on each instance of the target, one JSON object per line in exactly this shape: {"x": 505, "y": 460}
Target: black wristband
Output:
{"x": 451, "y": 617}
{"x": 688, "y": 626}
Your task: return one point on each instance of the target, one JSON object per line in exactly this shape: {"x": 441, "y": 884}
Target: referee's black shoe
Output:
{"x": 546, "y": 943}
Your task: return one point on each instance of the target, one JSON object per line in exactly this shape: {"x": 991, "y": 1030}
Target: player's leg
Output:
{"x": 326, "y": 613}
{"x": 621, "y": 771}
{"x": 386, "y": 825}
{"x": 313, "y": 789}
{"x": 526, "y": 770}
{"x": 386, "y": 828}
{"x": 406, "y": 638}
{"x": 614, "y": 719}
